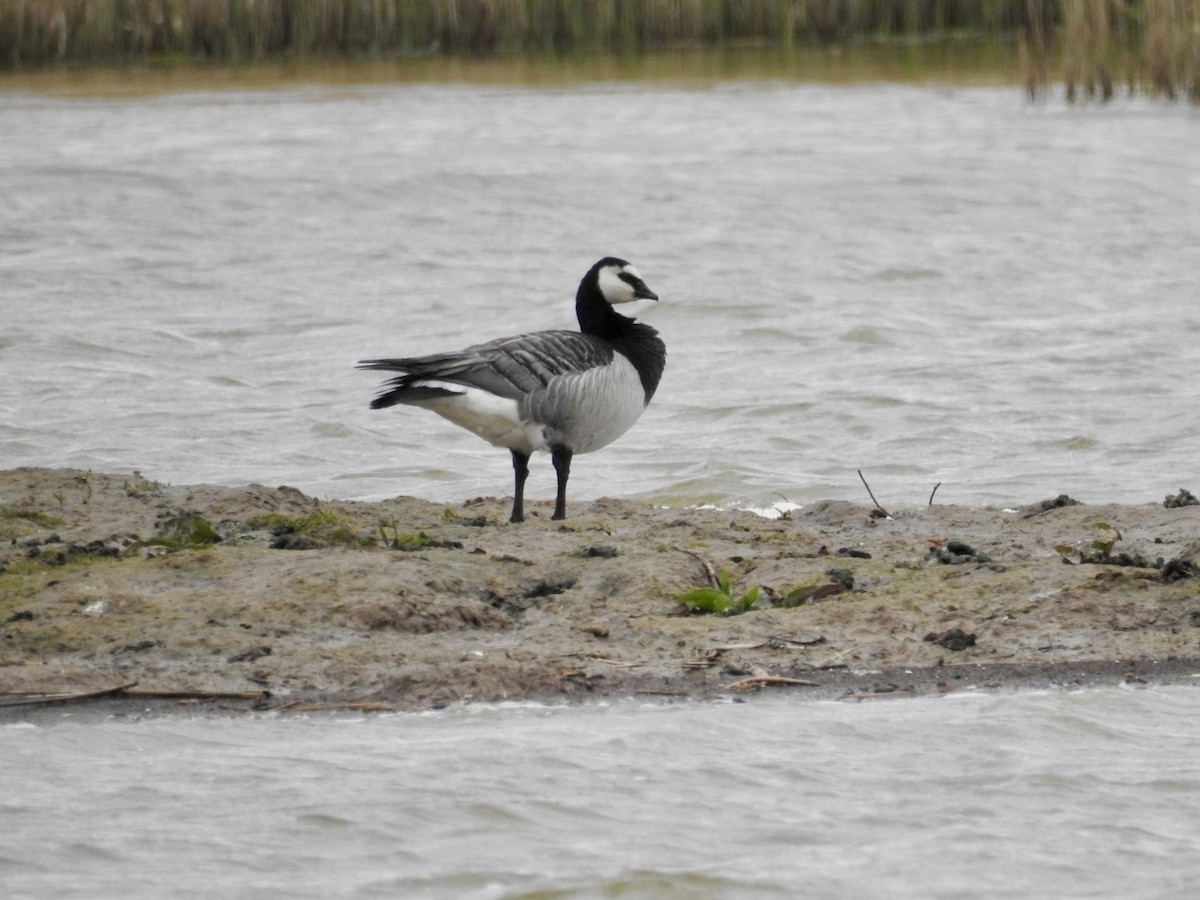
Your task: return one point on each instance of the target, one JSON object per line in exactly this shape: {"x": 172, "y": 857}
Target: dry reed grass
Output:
{"x": 41, "y": 31}
{"x": 1095, "y": 44}
{"x": 1153, "y": 45}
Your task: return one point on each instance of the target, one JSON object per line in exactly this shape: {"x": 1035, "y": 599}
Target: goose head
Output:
{"x": 619, "y": 282}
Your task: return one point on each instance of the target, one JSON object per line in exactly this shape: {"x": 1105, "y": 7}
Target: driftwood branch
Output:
{"x": 130, "y": 689}
{"x": 156, "y": 694}
{"x": 34, "y": 699}
{"x": 744, "y": 684}
{"x": 336, "y": 706}
{"x": 934, "y": 491}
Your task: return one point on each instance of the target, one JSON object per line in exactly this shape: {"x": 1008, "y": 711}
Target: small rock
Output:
{"x": 250, "y": 655}
{"x": 601, "y": 552}
{"x": 852, "y": 553}
{"x": 139, "y": 647}
{"x": 843, "y": 578}
{"x": 469, "y": 521}
{"x": 1057, "y": 503}
{"x": 1179, "y": 569}
{"x": 1183, "y": 498}
{"x": 814, "y": 593}
{"x": 953, "y": 639}
{"x": 291, "y": 541}
{"x": 799, "y": 639}
{"x": 956, "y": 553}
{"x": 549, "y": 588}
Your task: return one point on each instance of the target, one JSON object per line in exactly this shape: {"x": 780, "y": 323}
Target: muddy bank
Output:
{"x": 213, "y": 598}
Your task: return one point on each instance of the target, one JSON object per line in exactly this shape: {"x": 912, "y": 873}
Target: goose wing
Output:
{"x": 513, "y": 368}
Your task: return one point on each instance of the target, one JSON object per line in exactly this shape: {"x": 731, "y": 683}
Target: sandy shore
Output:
{"x": 203, "y": 598}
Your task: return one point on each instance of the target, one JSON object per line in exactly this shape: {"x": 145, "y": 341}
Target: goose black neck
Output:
{"x": 638, "y": 343}
{"x": 596, "y": 315}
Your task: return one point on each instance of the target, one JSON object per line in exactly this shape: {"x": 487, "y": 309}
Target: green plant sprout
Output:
{"x": 719, "y": 600}
{"x": 1105, "y": 548}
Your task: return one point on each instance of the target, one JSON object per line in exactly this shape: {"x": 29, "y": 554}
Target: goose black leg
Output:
{"x": 561, "y": 457}
{"x": 520, "y": 473}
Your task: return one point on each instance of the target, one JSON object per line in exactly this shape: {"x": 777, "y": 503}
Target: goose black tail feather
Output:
{"x": 386, "y": 365}
{"x": 402, "y": 391}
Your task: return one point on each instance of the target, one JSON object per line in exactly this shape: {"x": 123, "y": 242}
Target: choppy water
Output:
{"x": 1035, "y": 795}
{"x": 932, "y": 284}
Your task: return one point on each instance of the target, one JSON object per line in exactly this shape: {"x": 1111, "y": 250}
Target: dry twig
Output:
{"x": 721, "y": 648}
{"x": 708, "y": 568}
{"x": 886, "y": 514}
{"x": 620, "y": 664}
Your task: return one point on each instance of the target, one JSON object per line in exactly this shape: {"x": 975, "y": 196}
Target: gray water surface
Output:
{"x": 1092, "y": 794}
{"x": 931, "y": 284}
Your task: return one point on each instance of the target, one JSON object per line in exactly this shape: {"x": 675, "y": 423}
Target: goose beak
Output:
{"x": 642, "y": 292}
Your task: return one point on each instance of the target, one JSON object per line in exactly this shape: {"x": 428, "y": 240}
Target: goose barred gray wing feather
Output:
{"x": 513, "y": 368}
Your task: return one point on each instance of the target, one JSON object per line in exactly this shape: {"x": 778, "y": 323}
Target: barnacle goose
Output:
{"x": 562, "y": 391}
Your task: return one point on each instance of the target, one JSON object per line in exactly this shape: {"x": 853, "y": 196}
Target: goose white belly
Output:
{"x": 583, "y": 411}
{"x": 495, "y": 419}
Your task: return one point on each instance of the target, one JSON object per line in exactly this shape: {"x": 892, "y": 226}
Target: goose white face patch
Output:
{"x": 614, "y": 288}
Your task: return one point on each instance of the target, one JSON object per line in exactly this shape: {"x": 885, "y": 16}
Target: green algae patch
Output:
{"x": 36, "y": 517}
{"x": 393, "y": 539}
{"x": 315, "y": 530}
{"x": 16, "y": 523}
{"x": 184, "y": 532}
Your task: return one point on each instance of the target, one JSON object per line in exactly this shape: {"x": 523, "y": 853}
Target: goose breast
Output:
{"x": 587, "y": 410}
